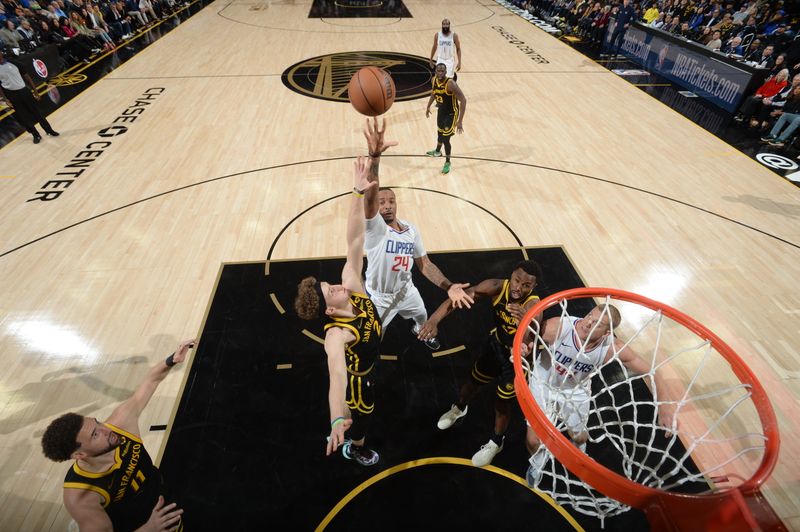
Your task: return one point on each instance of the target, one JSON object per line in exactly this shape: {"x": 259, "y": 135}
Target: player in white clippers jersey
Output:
{"x": 562, "y": 386}
{"x": 393, "y": 247}
{"x": 447, "y": 49}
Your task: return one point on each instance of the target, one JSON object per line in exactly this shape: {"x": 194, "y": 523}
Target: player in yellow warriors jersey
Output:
{"x": 352, "y": 334}
{"x": 511, "y": 298}
{"x": 113, "y": 484}
{"x": 452, "y": 106}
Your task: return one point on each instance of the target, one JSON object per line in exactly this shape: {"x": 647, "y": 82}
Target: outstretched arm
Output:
{"x": 375, "y": 146}
{"x": 335, "y": 340}
{"x": 126, "y": 415}
{"x": 351, "y": 274}
{"x": 462, "y": 104}
{"x": 455, "y": 291}
{"x": 638, "y": 365}
{"x": 487, "y": 288}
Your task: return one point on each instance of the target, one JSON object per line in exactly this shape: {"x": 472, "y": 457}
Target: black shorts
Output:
{"x": 446, "y": 122}
{"x": 495, "y": 363}
{"x": 360, "y": 393}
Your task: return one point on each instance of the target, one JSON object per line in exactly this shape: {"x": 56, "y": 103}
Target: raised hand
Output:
{"x": 163, "y": 518}
{"x": 427, "y": 331}
{"x": 361, "y": 174}
{"x": 336, "y": 437}
{"x": 458, "y": 296}
{"x": 183, "y": 349}
{"x": 374, "y": 135}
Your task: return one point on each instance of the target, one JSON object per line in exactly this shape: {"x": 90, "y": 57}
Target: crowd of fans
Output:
{"x": 760, "y": 33}
{"x": 79, "y": 28}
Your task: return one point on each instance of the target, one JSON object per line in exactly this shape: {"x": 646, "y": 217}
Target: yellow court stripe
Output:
{"x": 313, "y": 336}
{"x": 7, "y": 176}
{"x": 283, "y": 366}
{"x": 277, "y": 304}
{"x": 388, "y": 357}
{"x": 434, "y": 461}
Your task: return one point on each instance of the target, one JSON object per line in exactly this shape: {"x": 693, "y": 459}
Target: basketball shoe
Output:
{"x": 433, "y": 153}
{"x": 360, "y": 454}
{"x": 450, "y": 417}
{"x": 537, "y": 461}
{"x": 486, "y": 454}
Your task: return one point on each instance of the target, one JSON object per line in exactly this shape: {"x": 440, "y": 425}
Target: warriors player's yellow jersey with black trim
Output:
{"x": 362, "y": 352}
{"x": 507, "y": 324}
{"x": 129, "y": 488}
{"x": 446, "y": 100}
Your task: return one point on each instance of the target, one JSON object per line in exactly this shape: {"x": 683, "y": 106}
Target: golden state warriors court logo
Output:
{"x": 326, "y": 77}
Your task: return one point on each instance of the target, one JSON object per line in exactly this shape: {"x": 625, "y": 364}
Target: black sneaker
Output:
{"x": 360, "y": 454}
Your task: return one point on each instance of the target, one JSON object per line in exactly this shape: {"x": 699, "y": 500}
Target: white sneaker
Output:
{"x": 537, "y": 461}
{"x": 450, "y": 417}
{"x": 487, "y": 453}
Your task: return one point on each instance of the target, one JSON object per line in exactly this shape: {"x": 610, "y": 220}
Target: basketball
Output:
{"x": 371, "y": 91}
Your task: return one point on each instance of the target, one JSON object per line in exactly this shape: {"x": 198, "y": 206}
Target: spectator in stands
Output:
{"x": 748, "y": 29}
{"x": 599, "y": 25}
{"x": 10, "y": 35}
{"x": 97, "y": 28}
{"x": 56, "y": 10}
{"x": 651, "y": 14}
{"x": 789, "y": 118}
{"x": 716, "y": 41}
{"x": 588, "y": 17}
{"x": 685, "y": 31}
{"x": 725, "y": 25}
{"x": 132, "y": 7}
{"x": 752, "y": 104}
{"x": 713, "y": 18}
{"x": 741, "y": 15}
{"x": 780, "y": 39}
{"x": 772, "y": 25}
{"x": 754, "y": 50}
{"x": 766, "y": 59}
{"x": 705, "y": 35}
{"x": 119, "y": 23}
{"x": 772, "y": 107}
{"x": 27, "y": 36}
{"x": 733, "y": 47}
{"x": 659, "y": 22}
{"x": 778, "y": 65}
{"x": 146, "y": 7}
{"x": 674, "y": 25}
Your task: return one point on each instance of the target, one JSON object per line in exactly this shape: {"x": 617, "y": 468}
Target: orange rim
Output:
{"x": 605, "y": 480}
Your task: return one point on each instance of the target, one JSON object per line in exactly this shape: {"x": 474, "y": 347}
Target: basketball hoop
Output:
{"x": 650, "y": 477}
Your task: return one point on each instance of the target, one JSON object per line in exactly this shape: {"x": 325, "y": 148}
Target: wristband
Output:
{"x": 358, "y": 193}
{"x": 170, "y": 361}
{"x": 375, "y": 155}
{"x": 336, "y": 421}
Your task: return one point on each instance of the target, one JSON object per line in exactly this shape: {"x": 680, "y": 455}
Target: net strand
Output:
{"x": 623, "y": 414}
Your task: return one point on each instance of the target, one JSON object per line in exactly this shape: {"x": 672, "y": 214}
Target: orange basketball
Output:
{"x": 371, "y": 91}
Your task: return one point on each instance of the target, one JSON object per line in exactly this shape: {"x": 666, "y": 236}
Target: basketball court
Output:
{"x": 122, "y": 237}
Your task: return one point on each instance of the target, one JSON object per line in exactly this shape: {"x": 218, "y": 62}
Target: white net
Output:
{"x": 583, "y": 382}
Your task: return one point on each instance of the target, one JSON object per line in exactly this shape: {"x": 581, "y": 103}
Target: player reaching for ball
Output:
{"x": 452, "y": 105}
{"x": 393, "y": 247}
{"x": 352, "y": 334}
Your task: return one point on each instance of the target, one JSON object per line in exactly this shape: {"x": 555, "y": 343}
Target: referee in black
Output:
{"x": 19, "y": 93}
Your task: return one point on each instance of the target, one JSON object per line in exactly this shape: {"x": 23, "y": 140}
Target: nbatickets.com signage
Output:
{"x": 326, "y": 77}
